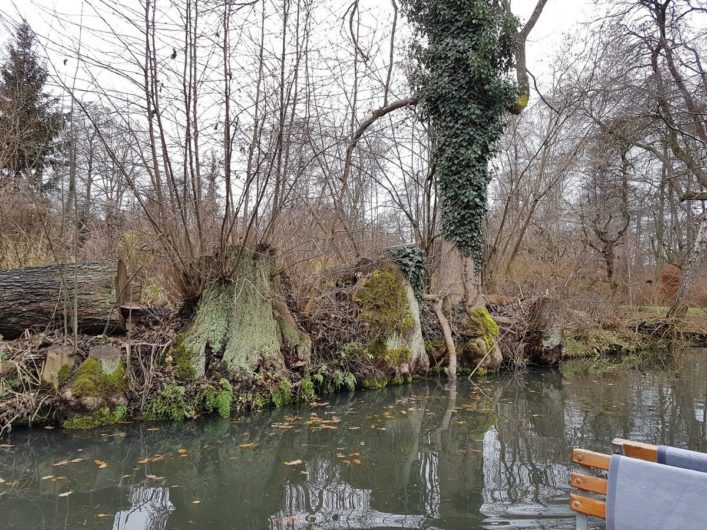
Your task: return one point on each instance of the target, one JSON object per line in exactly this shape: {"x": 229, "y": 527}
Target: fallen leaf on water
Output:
{"x": 101, "y": 515}
{"x": 251, "y": 445}
{"x": 182, "y": 451}
{"x": 49, "y": 427}
{"x": 47, "y": 477}
{"x": 153, "y": 429}
{"x": 293, "y": 462}
{"x": 196, "y": 501}
{"x": 101, "y": 464}
{"x": 354, "y": 428}
{"x": 76, "y": 460}
{"x": 154, "y": 477}
{"x": 65, "y": 494}
{"x": 60, "y": 463}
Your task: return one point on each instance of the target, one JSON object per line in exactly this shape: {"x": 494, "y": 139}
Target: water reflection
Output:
{"x": 149, "y": 510}
{"x": 326, "y": 501}
{"x": 426, "y": 456}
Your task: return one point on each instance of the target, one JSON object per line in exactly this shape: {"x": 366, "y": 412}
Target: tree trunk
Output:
{"x": 678, "y": 308}
{"x": 544, "y": 337}
{"x": 40, "y": 298}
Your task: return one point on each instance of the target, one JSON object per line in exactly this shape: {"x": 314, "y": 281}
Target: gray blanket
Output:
{"x": 683, "y": 458}
{"x": 648, "y": 496}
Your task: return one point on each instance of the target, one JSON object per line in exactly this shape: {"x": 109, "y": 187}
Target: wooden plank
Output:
{"x": 589, "y": 483}
{"x": 591, "y": 459}
{"x": 640, "y": 450}
{"x": 588, "y": 506}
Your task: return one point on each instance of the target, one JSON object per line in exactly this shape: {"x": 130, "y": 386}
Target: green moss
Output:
{"x": 483, "y": 325}
{"x": 183, "y": 359}
{"x": 282, "y": 395}
{"x": 474, "y": 349}
{"x": 597, "y": 342}
{"x": 250, "y": 401}
{"x": 375, "y": 382}
{"x": 219, "y": 399}
{"x": 480, "y": 324}
{"x": 396, "y": 356}
{"x": 436, "y": 347}
{"x": 64, "y": 375}
{"x": 400, "y": 380}
{"x": 102, "y": 417}
{"x": 171, "y": 404}
{"x": 384, "y": 304}
{"x": 91, "y": 381}
{"x": 306, "y": 390}
{"x": 235, "y": 318}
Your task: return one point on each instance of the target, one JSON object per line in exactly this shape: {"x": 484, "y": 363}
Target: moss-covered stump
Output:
{"x": 475, "y": 334}
{"x": 482, "y": 350}
{"x": 57, "y": 365}
{"x": 244, "y": 322}
{"x": 99, "y": 382}
{"x": 368, "y": 319}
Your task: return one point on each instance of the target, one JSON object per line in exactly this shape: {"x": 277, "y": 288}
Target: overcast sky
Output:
{"x": 560, "y": 18}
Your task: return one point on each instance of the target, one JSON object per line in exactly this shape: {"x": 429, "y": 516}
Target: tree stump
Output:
{"x": 39, "y": 298}
{"x": 544, "y": 338}
{"x": 58, "y": 358}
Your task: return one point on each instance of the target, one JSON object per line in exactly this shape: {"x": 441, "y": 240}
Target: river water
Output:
{"x": 494, "y": 454}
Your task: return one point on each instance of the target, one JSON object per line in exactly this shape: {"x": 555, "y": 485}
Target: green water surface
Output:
{"x": 492, "y": 454}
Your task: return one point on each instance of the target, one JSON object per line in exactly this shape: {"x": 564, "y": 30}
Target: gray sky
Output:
{"x": 560, "y": 18}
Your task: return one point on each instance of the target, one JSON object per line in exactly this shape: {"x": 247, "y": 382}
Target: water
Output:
{"x": 492, "y": 455}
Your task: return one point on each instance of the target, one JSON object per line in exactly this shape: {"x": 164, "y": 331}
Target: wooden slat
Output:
{"x": 588, "y": 506}
{"x": 640, "y": 450}
{"x": 589, "y": 483}
{"x": 591, "y": 459}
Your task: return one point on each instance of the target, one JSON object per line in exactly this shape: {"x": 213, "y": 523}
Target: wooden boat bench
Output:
{"x": 596, "y": 486}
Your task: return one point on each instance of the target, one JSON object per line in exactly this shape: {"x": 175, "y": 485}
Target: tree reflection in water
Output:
{"x": 484, "y": 455}
{"x": 325, "y": 500}
{"x": 149, "y": 510}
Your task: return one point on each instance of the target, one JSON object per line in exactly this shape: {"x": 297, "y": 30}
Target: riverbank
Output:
{"x": 144, "y": 374}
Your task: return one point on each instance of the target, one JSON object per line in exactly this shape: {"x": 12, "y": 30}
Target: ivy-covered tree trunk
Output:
{"x": 462, "y": 85}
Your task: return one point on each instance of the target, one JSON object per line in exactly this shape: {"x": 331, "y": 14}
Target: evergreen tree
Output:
{"x": 29, "y": 121}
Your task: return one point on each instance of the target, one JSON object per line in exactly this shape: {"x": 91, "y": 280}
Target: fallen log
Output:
{"x": 45, "y": 298}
